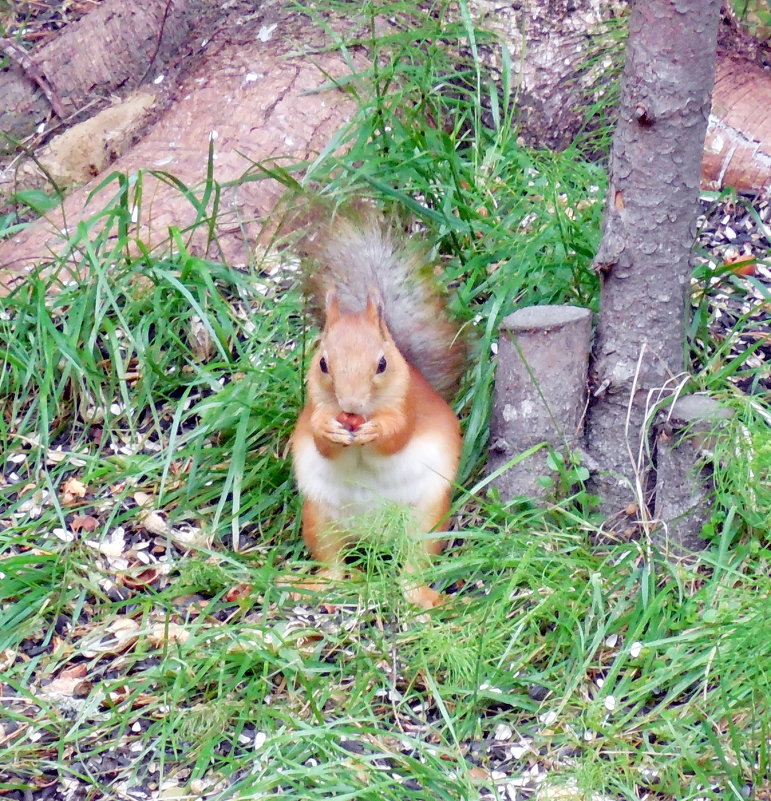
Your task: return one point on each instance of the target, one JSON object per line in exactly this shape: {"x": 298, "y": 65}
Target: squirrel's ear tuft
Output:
{"x": 375, "y": 312}
{"x": 331, "y": 308}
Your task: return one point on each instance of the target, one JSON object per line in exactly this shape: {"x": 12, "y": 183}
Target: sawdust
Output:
{"x": 83, "y": 151}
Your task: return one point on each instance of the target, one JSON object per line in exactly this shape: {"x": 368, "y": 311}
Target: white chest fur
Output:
{"x": 359, "y": 479}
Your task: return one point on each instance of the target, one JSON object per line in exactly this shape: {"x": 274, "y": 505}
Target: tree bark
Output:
{"x": 550, "y": 45}
{"x": 648, "y": 233}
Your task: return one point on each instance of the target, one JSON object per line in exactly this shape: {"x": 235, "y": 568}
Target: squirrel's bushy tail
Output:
{"x": 359, "y": 254}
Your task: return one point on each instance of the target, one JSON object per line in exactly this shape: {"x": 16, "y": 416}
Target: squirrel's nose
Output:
{"x": 352, "y": 405}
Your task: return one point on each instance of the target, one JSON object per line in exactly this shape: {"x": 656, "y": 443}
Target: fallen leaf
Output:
{"x": 238, "y": 593}
{"x": 200, "y": 340}
{"x": 72, "y": 491}
{"x": 141, "y": 579}
{"x": 118, "y": 637}
{"x": 123, "y": 693}
{"x": 76, "y": 671}
{"x": 162, "y": 633}
{"x": 84, "y": 523}
{"x": 477, "y": 774}
{"x": 67, "y": 687}
{"x": 742, "y": 265}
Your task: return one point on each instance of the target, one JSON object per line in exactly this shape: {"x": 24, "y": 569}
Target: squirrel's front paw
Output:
{"x": 336, "y": 432}
{"x": 366, "y": 432}
{"x": 423, "y": 597}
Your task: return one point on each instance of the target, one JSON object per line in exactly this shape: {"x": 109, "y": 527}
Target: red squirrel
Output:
{"x": 376, "y": 428}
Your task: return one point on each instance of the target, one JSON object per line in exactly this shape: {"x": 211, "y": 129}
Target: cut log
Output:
{"x": 737, "y": 150}
{"x": 114, "y": 45}
{"x": 259, "y": 98}
{"x": 540, "y": 394}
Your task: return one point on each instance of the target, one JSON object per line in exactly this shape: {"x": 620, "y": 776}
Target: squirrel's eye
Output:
{"x": 323, "y": 365}
{"x": 381, "y": 365}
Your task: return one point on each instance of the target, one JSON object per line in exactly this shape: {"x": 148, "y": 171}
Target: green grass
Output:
{"x": 152, "y": 399}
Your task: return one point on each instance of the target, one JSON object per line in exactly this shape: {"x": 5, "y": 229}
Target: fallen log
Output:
{"x": 115, "y": 45}
{"x": 257, "y": 99}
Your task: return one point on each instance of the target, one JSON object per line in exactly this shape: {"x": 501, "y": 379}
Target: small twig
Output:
{"x": 157, "y": 43}
{"x": 21, "y": 57}
{"x": 655, "y": 397}
{"x": 636, "y": 461}
{"x": 30, "y": 154}
{"x": 21, "y": 730}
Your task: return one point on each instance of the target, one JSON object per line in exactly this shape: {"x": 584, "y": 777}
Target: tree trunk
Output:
{"x": 648, "y": 233}
{"x": 117, "y": 44}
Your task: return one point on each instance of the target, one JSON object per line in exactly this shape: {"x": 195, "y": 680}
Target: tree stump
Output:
{"x": 683, "y": 487}
{"x": 540, "y": 394}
